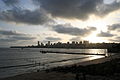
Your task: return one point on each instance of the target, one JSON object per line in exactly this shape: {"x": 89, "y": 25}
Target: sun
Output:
{"x": 94, "y": 39}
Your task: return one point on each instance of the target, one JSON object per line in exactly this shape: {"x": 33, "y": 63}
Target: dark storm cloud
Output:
{"x": 114, "y": 27}
{"x": 10, "y": 2}
{"x": 25, "y": 16}
{"x": 104, "y": 9}
{"x": 53, "y": 38}
{"x": 68, "y": 29}
{"x": 105, "y": 34}
{"x": 11, "y": 36}
{"x": 80, "y": 9}
{"x": 70, "y": 8}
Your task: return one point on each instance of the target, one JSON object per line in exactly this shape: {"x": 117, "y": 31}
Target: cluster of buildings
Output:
{"x": 111, "y": 47}
{"x": 73, "y": 44}
{"x": 80, "y": 44}
{"x": 62, "y": 45}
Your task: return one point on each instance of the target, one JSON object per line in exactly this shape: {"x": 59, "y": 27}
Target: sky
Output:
{"x": 24, "y": 22}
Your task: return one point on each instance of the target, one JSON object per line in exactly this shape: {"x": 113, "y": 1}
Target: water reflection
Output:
{"x": 15, "y": 57}
{"x": 95, "y": 57}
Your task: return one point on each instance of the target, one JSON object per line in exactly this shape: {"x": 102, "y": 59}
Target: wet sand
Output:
{"x": 56, "y": 75}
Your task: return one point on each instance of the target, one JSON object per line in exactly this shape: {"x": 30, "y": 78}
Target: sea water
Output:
{"x": 15, "y": 61}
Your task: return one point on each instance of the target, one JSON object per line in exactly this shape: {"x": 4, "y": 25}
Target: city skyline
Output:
{"x": 74, "y": 45}
{"x": 24, "y": 22}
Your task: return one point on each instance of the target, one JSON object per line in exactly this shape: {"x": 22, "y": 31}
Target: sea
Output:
{"x": 15, "y": 61}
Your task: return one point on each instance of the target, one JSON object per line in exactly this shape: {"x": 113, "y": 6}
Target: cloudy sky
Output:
{"x": 24, "y": 22}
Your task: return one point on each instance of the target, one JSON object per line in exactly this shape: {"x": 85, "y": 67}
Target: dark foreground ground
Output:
{"x": 101, "y": 69}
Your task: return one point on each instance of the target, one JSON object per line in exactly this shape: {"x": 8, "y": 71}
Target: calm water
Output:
{"x": 17, "y": 61}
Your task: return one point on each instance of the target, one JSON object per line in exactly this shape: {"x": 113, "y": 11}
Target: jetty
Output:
{"x": 77, "y": 53}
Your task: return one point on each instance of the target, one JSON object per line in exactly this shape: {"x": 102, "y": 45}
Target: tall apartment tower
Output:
{"x": 48, "y": 43}
{"x": 38, "y": 43}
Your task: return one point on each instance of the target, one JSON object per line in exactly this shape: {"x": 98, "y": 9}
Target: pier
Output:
{"x": 72, "y": 53}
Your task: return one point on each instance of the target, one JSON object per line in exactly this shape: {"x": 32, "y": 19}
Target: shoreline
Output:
{"x": 100, "y": 60}
{"x": 40, "y": 75}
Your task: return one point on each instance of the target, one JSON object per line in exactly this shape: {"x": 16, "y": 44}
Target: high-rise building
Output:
{"x": 68, "y": 42}
{"x": 48, "y": 43}
{"x": 38, "y": 43}
{"x": 73, "y": 42}
{"x": 85, "y": 42}
{"x": 42, "y": 44}
{"x": 80, "y": 42}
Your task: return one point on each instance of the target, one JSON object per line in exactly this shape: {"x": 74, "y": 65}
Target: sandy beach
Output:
{"x": 57, "y": 75}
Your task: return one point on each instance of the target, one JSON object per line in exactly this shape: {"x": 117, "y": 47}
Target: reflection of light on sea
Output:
{"x": 95, "y": 57}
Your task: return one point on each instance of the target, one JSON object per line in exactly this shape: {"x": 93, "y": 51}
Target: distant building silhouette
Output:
{"x": 112, "y": 47}
{"x": 48, "y": 43}
{"x": 85, "y": 42}
{"x": 38, "y": 43}
{"x": 73, "y": 42}
{"x": 80, "y": 42}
